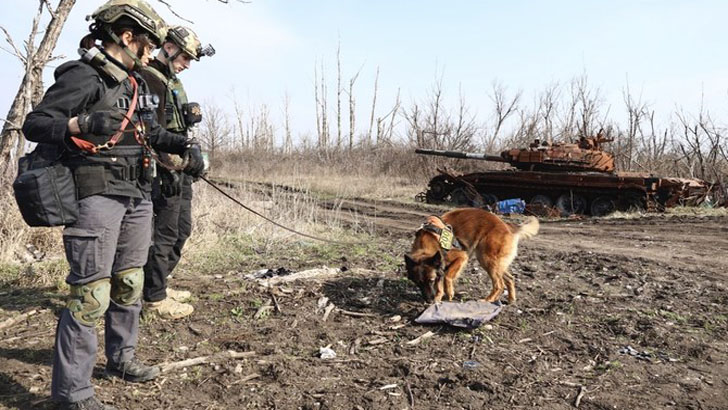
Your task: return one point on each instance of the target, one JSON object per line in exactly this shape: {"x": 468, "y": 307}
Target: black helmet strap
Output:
{"x": 137, "y": 62}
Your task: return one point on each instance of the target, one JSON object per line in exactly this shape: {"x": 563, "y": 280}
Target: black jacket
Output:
{"x": 119, "y": 171}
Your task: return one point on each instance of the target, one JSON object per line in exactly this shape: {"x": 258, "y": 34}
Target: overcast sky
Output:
{"x": 673, "y": 52}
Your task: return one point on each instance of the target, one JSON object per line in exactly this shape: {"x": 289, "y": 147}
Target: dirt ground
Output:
{"x": 612, "y": 314}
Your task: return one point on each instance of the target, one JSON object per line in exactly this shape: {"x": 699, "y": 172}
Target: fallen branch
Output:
{"x": 13, "y": 320}
{"x": 166, "y": 367}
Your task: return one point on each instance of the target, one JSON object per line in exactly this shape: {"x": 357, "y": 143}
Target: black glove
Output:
{"x": 195, "y": 165}
{"x": 100, "y": 122}
{"x": 170, "y": 183}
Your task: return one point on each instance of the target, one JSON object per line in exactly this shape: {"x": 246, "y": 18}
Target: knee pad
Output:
{"x": 90, "y": 301}
{"x": 127, "y": 285}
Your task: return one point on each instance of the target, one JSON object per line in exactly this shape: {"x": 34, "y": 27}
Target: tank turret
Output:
{"x": 586, "y": 155}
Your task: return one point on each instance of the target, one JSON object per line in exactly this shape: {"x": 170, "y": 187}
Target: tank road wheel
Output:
{"x": 603, "y": 205}
{"x": 541, "y": 201}
{"x": 489, "y": 199}
{"x": 570, "y": 204}
{"x": 439, "y": 188}
{"x": 460, "y": 197}
{"x": 540, "y": 205}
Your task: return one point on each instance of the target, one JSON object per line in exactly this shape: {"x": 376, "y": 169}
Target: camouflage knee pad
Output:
{"x": 126, "y": 286}
{"x": 90, "y": 301}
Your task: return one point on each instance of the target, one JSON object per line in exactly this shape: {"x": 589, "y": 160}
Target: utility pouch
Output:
{"x": 192, "y": 113}
{"x": 44, "y": 188}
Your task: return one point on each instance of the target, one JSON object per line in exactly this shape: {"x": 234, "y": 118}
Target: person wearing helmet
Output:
{"x": 172, "y": 191}
{"x": 99, "y": 116}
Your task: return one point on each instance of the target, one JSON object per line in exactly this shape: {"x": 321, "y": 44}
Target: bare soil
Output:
{"x": 612, "y": 314}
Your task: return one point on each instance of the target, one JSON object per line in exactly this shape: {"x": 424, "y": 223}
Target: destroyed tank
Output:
{"x": 566, "y": 178}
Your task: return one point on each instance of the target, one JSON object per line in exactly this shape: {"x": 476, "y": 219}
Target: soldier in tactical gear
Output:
{"x": 99, "y": 115}
{"x": 172, "y": 191}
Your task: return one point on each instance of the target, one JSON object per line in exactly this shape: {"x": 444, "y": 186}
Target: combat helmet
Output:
{"x": 138, "y": 10}
{"x": 187, "y": 41}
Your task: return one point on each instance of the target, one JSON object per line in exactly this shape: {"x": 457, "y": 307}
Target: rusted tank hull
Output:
{"x": 591, "y": 193}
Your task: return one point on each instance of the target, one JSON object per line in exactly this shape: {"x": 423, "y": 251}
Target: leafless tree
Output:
{"x": 374, "y": 107}
{"x": 34, "y": 59}
{"x": 214, "y": 132}
{"x": 352, "y": 109}
{"x": 338, "y": 95}
{"x": 288, "y": 143}
{"x": 503, "y": 108}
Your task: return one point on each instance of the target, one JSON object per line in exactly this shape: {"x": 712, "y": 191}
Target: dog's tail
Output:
{"x": 528, "y": 229}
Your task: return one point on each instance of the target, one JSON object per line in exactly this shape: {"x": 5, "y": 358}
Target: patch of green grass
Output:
{"x": 608, "y": 366}
{"x": 256, "y": 303}
{"x": 237, "y": 312}
{"x": 675, "y": 317}
{"x": 216, "y": 297}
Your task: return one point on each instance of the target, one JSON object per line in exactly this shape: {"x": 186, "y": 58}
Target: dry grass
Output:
{"x": 390, "y": 173}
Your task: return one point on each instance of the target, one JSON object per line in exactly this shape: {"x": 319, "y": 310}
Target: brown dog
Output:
{"x": 434, "y": 268}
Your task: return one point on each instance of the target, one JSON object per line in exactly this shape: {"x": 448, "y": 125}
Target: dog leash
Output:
{"x": 232, "y": 198}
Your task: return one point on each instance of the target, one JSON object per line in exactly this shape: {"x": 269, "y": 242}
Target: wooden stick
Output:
{"x": 427, "y": 335}
{"x": 356, "y": 314}
{"x": 328, "y": 311}
{"x": 275, "y": 301}
{"x": 166, "y": 367}
{"x": 13, "y": 320}
{"x": 245, "y": 379}
{"x": 582, "y": 390}
{"x": 411, "y": 396}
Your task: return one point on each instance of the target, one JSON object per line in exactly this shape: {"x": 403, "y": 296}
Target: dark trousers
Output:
{"x": 111, "y": 235}
{"x": 172, "y": 228}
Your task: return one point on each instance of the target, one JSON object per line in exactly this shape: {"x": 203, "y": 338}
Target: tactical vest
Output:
{"x": 176, "y": 99}
{"x": 120, "y": 170}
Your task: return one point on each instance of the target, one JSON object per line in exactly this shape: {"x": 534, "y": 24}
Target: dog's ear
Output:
{"x": 408, "y": 262}
{"x": 435, "y": 260}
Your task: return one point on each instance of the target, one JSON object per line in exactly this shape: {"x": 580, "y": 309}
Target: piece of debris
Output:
{"x": 470, "y": 364}
{"x": 388, "y": 386}
{"x": 395, "y": 318}
{"x": 644, "y": 355}
{"x": 470, "y": 314}
{"x": 268, "y": 273}
{"x": 322, "y": 302}
{"x": 324, "y": 272}
{"x": 326, "y": 353}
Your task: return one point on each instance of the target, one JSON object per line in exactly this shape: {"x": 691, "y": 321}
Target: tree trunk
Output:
{"x": 30, "y": 91}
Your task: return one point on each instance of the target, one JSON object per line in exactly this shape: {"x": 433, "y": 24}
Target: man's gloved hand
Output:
{"x": 196, "y": 164}
{"x": 170, "y": 183}
{"x": 100, "y": 122}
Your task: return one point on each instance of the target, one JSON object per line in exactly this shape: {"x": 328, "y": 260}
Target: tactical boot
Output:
{"x": 92, "y": 403}
{"x": 132, "y": 370}
{"x": 179, "y": 295}
{"x": 168, "y": 309}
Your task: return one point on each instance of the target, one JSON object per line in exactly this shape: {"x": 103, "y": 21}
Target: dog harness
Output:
{"x": 444, "y": 232}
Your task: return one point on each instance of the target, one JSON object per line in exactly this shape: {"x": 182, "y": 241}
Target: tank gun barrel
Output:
{"x": 460, "y": 154}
